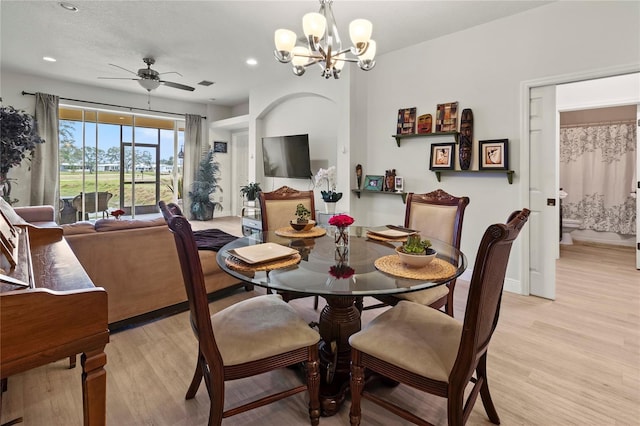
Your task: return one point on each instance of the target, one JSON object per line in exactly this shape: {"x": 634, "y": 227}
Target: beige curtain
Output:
{"x": 193, "y": 148}
{"x": 44, "y": 166}
{"x": 598, "y": 172}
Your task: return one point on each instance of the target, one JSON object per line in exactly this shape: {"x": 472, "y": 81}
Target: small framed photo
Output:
{"x": 493, "y": 154}
{"x": 373, "y": 183}
{"x": 220, "y": 147}
{"x": 442, "y": 156}
{"x": 399, "y": 184}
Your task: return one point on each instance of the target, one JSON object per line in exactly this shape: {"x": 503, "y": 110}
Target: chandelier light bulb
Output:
{"x": 285, "y": 40}
{"x": 300, "y": 56}
{"x": 314, "y": 24}
{"x": 360, "y": 31}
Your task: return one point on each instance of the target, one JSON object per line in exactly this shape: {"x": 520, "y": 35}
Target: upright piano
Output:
{"x": 50, "y": 310}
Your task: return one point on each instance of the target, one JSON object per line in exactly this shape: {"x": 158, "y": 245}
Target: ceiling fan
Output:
{"x": 149, "y": 78}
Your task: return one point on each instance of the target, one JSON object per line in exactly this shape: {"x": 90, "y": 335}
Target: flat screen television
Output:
{"x": 286, "y": 156}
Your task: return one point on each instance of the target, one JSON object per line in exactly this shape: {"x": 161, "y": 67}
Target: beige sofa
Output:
{"x": 136, "y": 262}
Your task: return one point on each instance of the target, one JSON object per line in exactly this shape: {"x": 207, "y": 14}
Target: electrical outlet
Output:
{"x": 221, "y": 198}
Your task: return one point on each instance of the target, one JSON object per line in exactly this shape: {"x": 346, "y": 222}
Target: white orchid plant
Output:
{"x": 329, "y": 175}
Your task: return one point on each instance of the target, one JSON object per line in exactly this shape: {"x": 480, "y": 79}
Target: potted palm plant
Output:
{"x": 205, "y": 185}
{"x": 19, "y": 140}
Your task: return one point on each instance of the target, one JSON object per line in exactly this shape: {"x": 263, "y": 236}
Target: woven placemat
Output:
{"x": 381, "y": 238}
{"x": 437, "y": 269}
{"x": 289, "y": 232}
{"x": 239, "y": 265}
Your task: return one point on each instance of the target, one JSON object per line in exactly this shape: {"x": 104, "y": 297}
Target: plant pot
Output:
{"x": 329, "y": 207}
{"x": 416, "y": 260}
{"x": 204, "y": 212}
{"x": 302, "y": 226}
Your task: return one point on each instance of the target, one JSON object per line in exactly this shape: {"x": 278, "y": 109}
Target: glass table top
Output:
{"x": 328, "y": 270}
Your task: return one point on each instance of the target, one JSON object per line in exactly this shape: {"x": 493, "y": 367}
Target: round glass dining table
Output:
{"x": 342, "y": 275}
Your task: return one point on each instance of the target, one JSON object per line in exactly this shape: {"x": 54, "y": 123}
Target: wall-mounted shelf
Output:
{"x": 419, "y": 135}
{"x": 358, "y": 192}
{"x": 509, "y": 173}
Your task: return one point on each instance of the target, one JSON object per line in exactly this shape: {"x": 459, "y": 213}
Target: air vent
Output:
{"x": 206, "y": 83}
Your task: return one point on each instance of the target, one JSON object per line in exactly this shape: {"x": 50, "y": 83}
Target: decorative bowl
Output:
{"x": 416, "y": 260}
{"x": 303, "y": 226}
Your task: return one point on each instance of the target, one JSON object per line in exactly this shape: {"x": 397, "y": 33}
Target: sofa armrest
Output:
{"x": 33, "y": 214}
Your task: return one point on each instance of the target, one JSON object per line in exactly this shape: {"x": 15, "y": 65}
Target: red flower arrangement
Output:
{"x": 341, "y": 220}
{"x": 341, "y": 271}
{"x": 117, "y": 213}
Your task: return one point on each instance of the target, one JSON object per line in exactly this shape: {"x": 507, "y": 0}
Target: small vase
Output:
{"x": 342, "y": 236}
{"x": 329, "y": 207}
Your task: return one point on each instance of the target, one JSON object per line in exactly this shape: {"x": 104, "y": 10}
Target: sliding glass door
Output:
{"x": 111, "y": 161}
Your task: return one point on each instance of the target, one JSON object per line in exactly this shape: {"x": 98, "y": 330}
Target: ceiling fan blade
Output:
{"x": 177, "y": 85}
{"x": 122, "y": 68}
{"x": 118, "y": 78}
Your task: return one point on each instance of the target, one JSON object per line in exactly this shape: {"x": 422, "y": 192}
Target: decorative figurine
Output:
{"x": 466, "y": 139}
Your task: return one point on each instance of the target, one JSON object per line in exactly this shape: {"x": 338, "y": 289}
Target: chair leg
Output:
{"x": 315, "y": 303}
{"x": 481, "y": 369}
{"x": 197, "y": 379}
{"x": 455, "y": 408}
{"x": 357, "y": 385}
{"x": 313, "y": 387}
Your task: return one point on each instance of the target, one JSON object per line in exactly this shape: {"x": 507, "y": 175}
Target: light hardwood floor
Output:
{"x": 572, "y": 361}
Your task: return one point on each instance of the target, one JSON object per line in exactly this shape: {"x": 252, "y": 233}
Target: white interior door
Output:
{"x": 239, "y": 168}
{"x": 637, "y": 187}
{"x": 543, "y": 191}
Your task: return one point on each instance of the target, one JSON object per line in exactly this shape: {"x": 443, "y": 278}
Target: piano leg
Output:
{"x": 94, "y": 387}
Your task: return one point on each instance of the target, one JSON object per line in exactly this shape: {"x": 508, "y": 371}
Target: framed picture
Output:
{"x": 220, "y": 147}
{"x": 424, "y": 124}
{"x": 406, "y": 121}
{"x": 442, "y": 156}
{"x": 373, "y": 183}
{"x": 447, "y": 117}
{"x": 399, "y": 184}
{"x": 493, "y": 154}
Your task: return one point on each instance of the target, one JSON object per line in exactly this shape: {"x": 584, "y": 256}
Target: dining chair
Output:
{"x": 436, "y": 215}
{"x": 277, "y": 209}
{"x": 432, "y": 351}
{"x": 252, "y": 337}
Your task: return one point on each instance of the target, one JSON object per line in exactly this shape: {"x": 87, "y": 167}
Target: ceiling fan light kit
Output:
{"x": 324, "y": 46}
{"x": 149, "y": 78}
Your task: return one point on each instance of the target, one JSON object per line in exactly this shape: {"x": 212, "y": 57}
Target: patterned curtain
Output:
{"x": 598, "y": 171}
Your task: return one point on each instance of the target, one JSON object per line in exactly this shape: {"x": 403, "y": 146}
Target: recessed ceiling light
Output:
{"x": 252, "y": 61}
{"x": 69, "y": 7}
{"x": 48, "y": 59}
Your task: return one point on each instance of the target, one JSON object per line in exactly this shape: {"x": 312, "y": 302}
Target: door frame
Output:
{"x": 525, "y": 160}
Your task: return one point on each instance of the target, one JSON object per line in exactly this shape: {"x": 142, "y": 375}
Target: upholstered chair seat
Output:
{"x": 258, "y": 328}
{"x": 403, "y": 331}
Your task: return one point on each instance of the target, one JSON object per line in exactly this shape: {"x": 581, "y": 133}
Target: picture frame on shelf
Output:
{"x": 493, "y": 154}
{"x": 219, "y": 146}
{"x": 406, "y": 121}
{"x": 399, "y": 184}
{"x": 442, "y": 156}
{"x": 373, "y": 182}
{"x": 447, "y": 117}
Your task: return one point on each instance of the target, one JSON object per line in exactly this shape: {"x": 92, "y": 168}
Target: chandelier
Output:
{"x": 324, "y": 46}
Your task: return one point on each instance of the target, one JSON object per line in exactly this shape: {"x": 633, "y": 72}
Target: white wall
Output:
{"x": 307, "y": 104}
{"x": 481, "y": 68}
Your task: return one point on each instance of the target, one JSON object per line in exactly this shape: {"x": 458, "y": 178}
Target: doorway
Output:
{"x": 540, "y": 127}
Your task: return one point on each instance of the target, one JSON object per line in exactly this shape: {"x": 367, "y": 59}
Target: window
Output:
{"x": 133, "y": 157}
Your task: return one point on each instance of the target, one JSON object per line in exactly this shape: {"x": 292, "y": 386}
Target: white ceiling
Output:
{"x": 206, "y": 40}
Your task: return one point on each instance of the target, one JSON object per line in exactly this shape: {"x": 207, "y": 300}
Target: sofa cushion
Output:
{"x": 85, "y": 227}
{"x": 104, "y": 225}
